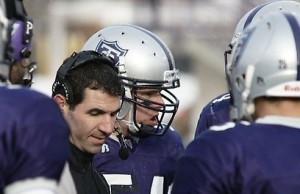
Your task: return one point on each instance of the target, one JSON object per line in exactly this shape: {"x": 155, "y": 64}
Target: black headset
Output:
{"x": 74, "y": 61}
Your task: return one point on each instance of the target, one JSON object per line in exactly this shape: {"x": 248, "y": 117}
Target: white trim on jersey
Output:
{"x": 39, "y": 185}
{"x": 280, "y": 120}
{"x": 223, "y": 127}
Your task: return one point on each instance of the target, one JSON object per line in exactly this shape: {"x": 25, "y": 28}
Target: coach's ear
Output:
{"x": 61, "y": 101}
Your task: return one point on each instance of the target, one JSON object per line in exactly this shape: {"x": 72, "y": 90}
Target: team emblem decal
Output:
{"x": 111, "y": 49}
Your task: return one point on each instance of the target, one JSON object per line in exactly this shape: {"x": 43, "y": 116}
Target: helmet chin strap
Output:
{"x": 127, "y": 109}
{"x": 130, "y": 122}
{"x": 248, "y": 107}
{"x": 130, "y": 126}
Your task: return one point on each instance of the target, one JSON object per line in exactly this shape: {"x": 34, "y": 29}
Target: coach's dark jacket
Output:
{"x": 86, "y": 179}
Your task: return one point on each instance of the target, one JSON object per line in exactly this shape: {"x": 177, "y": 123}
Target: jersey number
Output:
{"x": 124, "y": 182}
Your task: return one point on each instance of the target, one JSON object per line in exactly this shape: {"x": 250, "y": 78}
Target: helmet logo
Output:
{"x": 111, "y": 49}
{"x": 29, "y": 27}
{"x": 282, "y": 64}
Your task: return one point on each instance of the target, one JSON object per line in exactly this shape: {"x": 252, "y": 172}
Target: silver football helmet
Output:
{"x": 144, "y": 62}
{"x": 249, "y": 18}
{"x": 256, "y": 14}
{"x": 265, "y": 62}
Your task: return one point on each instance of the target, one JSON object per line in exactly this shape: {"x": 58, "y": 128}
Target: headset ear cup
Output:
{"x": 68, "y": 91}
{"x": 66, "y": 87}
{"x": 74, "y": 61}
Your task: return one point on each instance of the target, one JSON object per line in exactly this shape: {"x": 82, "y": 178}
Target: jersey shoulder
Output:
{"x": 34, "y": 128}
{"x": 218, "y": 137}
{"x": 216, "y": 112}
{"x": 217, "y": 104}
{"x": 18, "y": 96}
{"x": 173, "y": 134}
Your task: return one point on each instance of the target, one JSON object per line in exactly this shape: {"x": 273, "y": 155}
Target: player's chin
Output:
{"x": 95, "y": 145}
{"x": 94, "y": 149}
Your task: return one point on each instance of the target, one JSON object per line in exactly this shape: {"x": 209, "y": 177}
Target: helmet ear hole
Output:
{"x": 239, "y": 83}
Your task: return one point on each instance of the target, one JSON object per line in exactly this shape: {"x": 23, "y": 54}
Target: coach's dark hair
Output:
{"x": 86, "y": 69}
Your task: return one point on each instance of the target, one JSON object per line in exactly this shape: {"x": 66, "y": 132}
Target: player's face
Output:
{"x": 144, "y": 115}
{"x": 18, "y": 70}
{"x": 92, "y": 121}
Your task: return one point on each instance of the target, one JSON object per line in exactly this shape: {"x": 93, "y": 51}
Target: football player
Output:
{"x": 217, "y": 111}
{"x": 18, "y": 51}
{"x": 34, "y": 134}
{"x": 146, "y": 161}
{"x": 260, "y": 156}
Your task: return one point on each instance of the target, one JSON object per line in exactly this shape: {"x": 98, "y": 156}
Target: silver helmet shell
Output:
{"x": 256, "y": 14}
{"x": 144, "y": 61}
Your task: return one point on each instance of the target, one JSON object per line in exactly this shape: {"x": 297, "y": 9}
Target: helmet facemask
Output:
{"x": 133, "y": 102}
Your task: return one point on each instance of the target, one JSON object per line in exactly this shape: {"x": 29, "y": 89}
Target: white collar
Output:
{"x": 280, "y": 120}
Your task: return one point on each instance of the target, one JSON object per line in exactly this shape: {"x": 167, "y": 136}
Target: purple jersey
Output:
{"x": 216, "y": 112}
{"x": 34, "y": 136}
{"x": 150, "y": 167}
{"x": 261, "y": 158}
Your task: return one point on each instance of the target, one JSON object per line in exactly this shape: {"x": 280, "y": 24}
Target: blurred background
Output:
{"x": 196, "y": 31}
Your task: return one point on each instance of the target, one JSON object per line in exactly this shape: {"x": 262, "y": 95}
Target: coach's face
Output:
{"x": 93, "y": 120}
